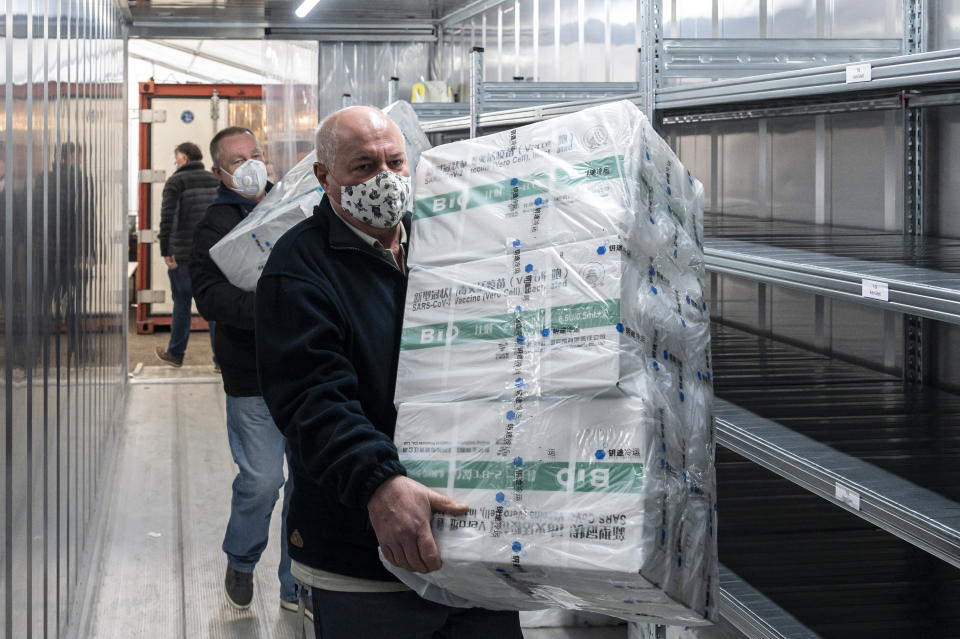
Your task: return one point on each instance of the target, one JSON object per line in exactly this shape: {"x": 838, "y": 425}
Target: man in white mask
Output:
{"x": 255, "y": 442}
{"x": 329, "y": 317}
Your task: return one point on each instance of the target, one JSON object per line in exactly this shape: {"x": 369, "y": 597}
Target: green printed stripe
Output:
{"x": 625, "y": 477}
{"x": 586, "y": 315}
{"x": 583, "y": 316}
{"x": 608, "y": 168}
{"x": 473, "y": 330}
{"x": 433, "y": 474}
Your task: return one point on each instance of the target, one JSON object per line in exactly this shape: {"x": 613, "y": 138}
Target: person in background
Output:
{"x": 186, "y": 196}
{"x": 256, "y": 444}
{"x": 329, "y": 313}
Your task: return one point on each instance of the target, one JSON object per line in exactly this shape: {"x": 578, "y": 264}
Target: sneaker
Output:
{"x": 294, "y": 606}
{"x": 164, "y": 356}
{"x": 239, "y": 588}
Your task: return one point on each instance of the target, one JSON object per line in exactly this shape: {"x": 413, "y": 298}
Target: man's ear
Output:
{"x": 323, "y": 175}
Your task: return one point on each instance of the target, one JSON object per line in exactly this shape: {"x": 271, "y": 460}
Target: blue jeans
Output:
{"x": 405, "y": 615}
{"x": 181, "y": 290}
{"x": 258, "y": 448}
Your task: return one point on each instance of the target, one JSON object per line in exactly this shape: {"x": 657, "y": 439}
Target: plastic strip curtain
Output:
{"x": 359, "y": 73}
{"x": 291, "y": 101}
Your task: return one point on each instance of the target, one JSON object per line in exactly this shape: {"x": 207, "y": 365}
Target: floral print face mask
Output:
{"x": 380, "y": 201}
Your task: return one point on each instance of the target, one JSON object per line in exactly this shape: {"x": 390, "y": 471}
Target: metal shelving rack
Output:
{"x": 916, "y": 276}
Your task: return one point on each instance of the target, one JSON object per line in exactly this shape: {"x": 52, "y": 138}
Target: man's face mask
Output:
{"x": 380, "y": 201}
{"x": 250, "y": 178}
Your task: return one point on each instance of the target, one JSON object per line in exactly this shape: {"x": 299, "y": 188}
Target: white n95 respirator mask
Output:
{"x": 380, "y": 201}
{"x": 250, "y": 178}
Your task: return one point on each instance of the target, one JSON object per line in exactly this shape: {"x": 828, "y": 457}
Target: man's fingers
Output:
{"x": 412, "y": 552}
{"x": 443, "y": 504}
{"x": 428, "y": 550}
{"x": 388, "y": 555}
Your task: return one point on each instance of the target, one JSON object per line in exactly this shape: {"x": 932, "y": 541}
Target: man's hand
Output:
{"x": 170, "y": 261}
{"x": 400, "y": 512}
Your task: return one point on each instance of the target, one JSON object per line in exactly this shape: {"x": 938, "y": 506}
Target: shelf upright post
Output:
{"x": 476, "y": 90}
{"x": 393, "y": 89}
{"x": 915, "y": 327}
{"x": 651, "y": 26}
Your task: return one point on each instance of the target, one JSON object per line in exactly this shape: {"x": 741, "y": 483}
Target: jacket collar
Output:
{"x": 227, "y": 195}
{"x": 193, "y": 165}
{"x": 340, "y": 235}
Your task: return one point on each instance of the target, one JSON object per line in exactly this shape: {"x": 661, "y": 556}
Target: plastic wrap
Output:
{"x": 242, "y": 253}
{"x": 555, "y": 375}
{"x": 417, "y": 142}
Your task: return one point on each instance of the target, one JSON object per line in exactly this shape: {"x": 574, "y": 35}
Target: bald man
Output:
{"x": 329, "y": 313}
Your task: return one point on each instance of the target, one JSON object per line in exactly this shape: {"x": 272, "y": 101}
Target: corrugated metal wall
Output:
{"x": 546, "y": 41}
{"x": 62, "y": 295}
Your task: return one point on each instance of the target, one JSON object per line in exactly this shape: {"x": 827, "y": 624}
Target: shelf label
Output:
{"x": 876, "y": 290}
{"x": 859, "y": 73}
{"x": 847, "y": 495}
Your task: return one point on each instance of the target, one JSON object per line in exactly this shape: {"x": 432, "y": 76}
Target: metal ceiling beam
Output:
{"x": 468, "y": 11}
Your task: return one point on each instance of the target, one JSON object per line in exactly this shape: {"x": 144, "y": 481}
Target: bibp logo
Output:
{"x": 593, "y": 479}
{"x": 431, "y": 335}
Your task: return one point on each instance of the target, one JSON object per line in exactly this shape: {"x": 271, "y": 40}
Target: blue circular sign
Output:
{"x": 186, "y": 117}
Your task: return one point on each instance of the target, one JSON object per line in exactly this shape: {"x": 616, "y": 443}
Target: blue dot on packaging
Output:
{"x": 656, "y": 366}
{"x": 652, "y": 271}
{"x": 653, "y": 289}
{"x": 666, "y": 354}
{"x": 651, "y": 220}
{"x": 683, "y": 322}
{"x": 500, "y": 498}
{"x": 514, "y": 181}
{"x": 518, "y": 461}
{"x": 599, "y": 454}
{"x": 528, "y": 268}
{"x": 619, "y": 328}
{"x": 516, "y": 243}
{"x": 682, "y": 396}
{"x": 538, "y": 201}
{"x": 545, "y": 332}
{"x": 511, "y": 415}
{"x": 518, "y": 382}
{"x": 520, "y": 339}
{"x": 517, "y": 546}
{"x": 601, "y": 250}
{"x": 669, "y": 191}
{"x": 518, "y": 309}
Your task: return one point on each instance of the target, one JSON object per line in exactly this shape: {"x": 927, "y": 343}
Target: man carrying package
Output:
{"x": 256, "y": 446}
{"x": 329, "y": 315}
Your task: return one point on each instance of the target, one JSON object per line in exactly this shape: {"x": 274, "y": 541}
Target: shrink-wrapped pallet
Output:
{"x": 554, "y": 371}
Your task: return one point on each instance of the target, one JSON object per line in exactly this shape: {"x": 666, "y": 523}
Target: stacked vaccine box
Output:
{"x": 554, "y": 371}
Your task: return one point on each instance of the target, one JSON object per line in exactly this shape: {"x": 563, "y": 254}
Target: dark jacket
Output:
{"x": 220, "y": 301}
{"x": 186, "y": 196}
{"x": 329, "y": 315}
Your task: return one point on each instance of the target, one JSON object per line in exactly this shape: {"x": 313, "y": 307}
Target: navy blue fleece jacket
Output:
{"x": 328, "y": 320}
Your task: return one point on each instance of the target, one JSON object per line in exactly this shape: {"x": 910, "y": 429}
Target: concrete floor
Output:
{"x": 160, "y": 570}
{"x": 141, "y": 347}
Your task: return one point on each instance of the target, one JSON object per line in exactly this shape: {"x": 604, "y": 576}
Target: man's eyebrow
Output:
{"x": 362, "y": 158}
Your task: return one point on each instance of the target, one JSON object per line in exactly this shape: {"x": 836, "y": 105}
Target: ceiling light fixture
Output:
{"x": 306, "y": 7}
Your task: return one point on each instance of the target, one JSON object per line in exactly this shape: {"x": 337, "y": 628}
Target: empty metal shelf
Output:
{"x": 892, "y": 74}
{"x": 920, "y": 278}
{"x": 865, "y": 441}
{"x": 754, "y": 614}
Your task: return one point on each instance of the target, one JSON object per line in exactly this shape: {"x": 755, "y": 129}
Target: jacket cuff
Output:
{"x": 380, "y": 474}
